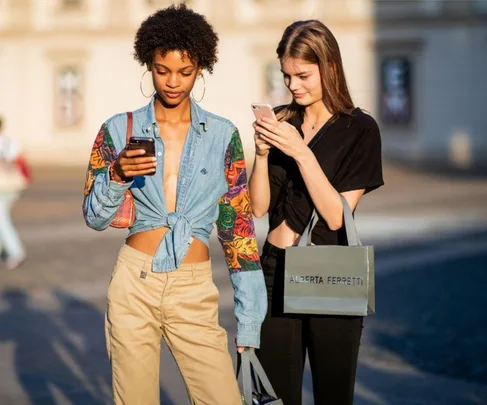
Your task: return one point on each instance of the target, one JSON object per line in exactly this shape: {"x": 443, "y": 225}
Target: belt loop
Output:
{"x": 193, "y": 271}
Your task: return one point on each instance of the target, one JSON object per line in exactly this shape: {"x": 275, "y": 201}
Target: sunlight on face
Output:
{"x": 303, "y": 79}
{"x": 174, "y": 75}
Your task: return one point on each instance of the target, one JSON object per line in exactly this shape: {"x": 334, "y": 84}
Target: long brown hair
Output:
{"x": 314, "y": 43}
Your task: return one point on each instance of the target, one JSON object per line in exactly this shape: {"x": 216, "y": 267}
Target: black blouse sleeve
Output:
{"x": 361, "y": 167}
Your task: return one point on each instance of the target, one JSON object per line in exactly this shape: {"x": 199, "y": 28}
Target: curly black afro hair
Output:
{"x": 177, "y": 28}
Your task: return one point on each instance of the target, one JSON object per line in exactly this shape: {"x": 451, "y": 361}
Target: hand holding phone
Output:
{"x": 148, "y": 158}
{"x": 146, "y": 144}
{"x": 260, "y": 111}
{"x": 137, "y": 159}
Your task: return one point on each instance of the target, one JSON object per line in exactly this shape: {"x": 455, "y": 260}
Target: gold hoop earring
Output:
{"x": 141, "y": 88}
{"x": 204, "y": 90}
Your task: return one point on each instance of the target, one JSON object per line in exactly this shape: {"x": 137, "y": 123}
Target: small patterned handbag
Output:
{"x": 125, "y": 215}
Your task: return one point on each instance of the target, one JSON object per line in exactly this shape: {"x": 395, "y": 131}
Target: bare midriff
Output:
{"x": 283, "y": 236}
{"x": 148, "y": 242}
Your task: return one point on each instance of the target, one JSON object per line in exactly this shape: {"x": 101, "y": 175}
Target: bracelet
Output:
{"x": 112, "y": 174}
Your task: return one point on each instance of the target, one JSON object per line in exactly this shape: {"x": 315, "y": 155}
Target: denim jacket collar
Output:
{"x": 199, "y": 117}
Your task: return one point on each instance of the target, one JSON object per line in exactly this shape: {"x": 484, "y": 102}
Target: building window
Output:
{"x": 69, "y": 102}
{"x": 395, "y": 91}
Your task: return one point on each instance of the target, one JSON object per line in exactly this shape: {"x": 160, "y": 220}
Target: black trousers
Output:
{"x": 332, "y": 344}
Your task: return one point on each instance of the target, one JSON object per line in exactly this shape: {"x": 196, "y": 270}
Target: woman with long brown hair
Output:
{"x": 321, "y": 147}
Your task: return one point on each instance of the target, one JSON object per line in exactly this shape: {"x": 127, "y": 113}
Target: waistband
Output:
{"x": 143, "y": 260}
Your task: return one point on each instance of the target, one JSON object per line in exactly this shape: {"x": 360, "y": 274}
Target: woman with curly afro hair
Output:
{"x": 183, "y": 170}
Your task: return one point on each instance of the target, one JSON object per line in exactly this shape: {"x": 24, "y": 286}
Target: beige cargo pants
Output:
{"x": 180, "y": 306}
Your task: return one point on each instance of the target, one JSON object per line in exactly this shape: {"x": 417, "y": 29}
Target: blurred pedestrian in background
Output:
{"x": 14, "y": 178}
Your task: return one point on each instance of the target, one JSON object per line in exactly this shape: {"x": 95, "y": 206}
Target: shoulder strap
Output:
{"x": 129, "y": 126}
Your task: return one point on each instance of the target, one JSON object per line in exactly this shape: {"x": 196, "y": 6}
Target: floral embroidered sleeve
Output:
{"x": 102, "y": 154}
{"x": 236, "y": 230}
{"x": 102, "y": 197}
{"x": 236, "y": 233}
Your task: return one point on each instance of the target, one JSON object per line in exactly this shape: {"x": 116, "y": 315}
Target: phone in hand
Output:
{"x": 261, "y": 110}
{"x": 147, "y": 144}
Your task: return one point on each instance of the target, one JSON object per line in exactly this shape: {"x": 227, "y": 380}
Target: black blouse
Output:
{"x": 348, "y": 149}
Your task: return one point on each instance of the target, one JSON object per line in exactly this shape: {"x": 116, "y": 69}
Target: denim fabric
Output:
{"x": 201, "y": 184}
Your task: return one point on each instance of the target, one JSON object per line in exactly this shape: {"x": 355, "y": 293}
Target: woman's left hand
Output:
{"x": 283, "y": 136}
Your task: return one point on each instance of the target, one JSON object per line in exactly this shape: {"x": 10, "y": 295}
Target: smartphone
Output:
{"x": 263, "y": 110}
{"x": 147, "y": 144}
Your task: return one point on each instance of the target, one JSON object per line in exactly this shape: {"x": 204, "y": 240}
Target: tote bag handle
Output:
{"x": 350, "y": 228}
{"x": 249, "y": 364}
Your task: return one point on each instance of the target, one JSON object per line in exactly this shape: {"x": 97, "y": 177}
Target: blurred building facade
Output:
{"x": 431, "y": 58}
{"x": 67, "y": 65}
{"x": 417, "y": 66}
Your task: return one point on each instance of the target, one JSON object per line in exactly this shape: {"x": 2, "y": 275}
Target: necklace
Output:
{"x": 312, "y": 125}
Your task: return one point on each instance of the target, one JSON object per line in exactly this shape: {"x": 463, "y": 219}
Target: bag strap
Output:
{"x": 350, "y": 228}
{"x": 249, "y": 364}
{"x": 260, "y": 373}
{"x": 243, "y": 365}
{"x": 130, "y": 124}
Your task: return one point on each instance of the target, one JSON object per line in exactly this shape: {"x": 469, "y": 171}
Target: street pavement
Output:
{"x": 427, "y": 344}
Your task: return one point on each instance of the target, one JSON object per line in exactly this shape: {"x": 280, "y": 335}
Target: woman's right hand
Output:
{"x": 262, "y": 147}
{"x": 131, "y": 163}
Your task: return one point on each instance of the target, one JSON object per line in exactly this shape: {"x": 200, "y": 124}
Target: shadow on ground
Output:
{"x": 54, "y": 349}
{"x": 436, "y": 310}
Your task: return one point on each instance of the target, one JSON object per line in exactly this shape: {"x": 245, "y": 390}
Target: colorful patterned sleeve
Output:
{"x": 102, "y": 197}
{"x": 236, "y": 233}
{"x": 102, "y": 155}
{"x": 235, "y": 225}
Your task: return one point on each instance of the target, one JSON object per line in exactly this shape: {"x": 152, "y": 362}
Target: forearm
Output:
{"x": 103, "y": 201}
{"x": 325, "y": 198}
{"x": 250, "y": 306}
{"x": 259, "y": 186}
{"x": 236, "y": 233}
